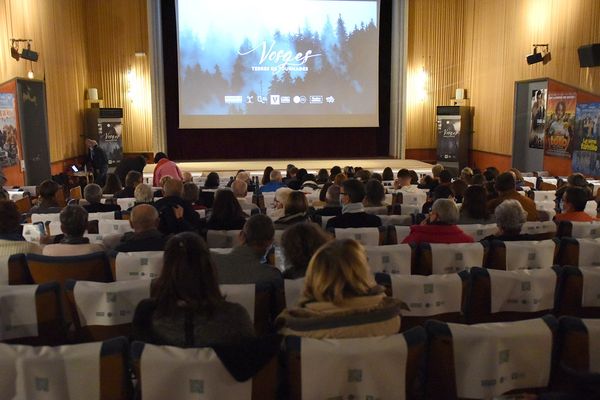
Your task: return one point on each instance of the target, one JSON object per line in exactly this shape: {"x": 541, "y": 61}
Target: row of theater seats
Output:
{"x": 46, "y": 293}
{"x": 542, "y": 356}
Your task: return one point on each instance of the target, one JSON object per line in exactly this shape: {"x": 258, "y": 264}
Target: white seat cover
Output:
{"x": 365, "y": 368}
{"x": 115, "y": 226}
{"x": 529, "y": 254}
{"x": 32, "y": 233}
{"x": 45, "y": 217}
{"x": 110, "y": 303}
{"x": 589, "y": 252}
{"x": 547, "y": 205}
{"x": 593, "y": 328}
{"x": 537, "y": 227}
{"x": 324, "y": 219}
{"x": 126, "y": 203}
{"x": 18, "y": 315}
{"x": 188, "y": 374}
{"x": 95, "y": 238}
{"x": 50, "y": 373}
{"x": 448, "y": 258}
{"x": 386, "y": 220}
{"x": 54, "y": 228}
{"x": 4, "y": 270}
{"x": 479, "y": 231}
{"x": 409, "y": 209}
{"x": 293, "y": 291}
{"x": 201, "y": 213}
{"x": 401, "y": 233}
{"x": 522, "y": 291}
{"x": 591, "y": 208}
{"x": 492, "y": 359}
{"x": 416, "y": 198}
{"x": 101, "y": 215}
{"x": 277, "y": 236}
{"x": 582, "y": 230}
{"x": 138, "y": 265}
{"x": 391, "y": 259}
{"x": 222, "y": 239}
{"x": 591, "y": 286}
{"x": 428, "y": 295}
{"x": 225, "y": 250}
{"x": 242, "y": 294}
{"x": 544, "y": 195}
{"x": 366, "y": 236}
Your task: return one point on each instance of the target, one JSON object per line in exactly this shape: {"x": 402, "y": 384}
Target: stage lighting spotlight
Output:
{"x": 14, "y": 53}
{"x": 29, "y": 54}
{"x": 537, "y": 57}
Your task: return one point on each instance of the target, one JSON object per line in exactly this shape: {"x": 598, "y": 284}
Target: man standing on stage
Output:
{"x": 97, "y": 160}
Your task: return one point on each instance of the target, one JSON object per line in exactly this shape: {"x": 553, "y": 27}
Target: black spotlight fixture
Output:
{"x": 539, "y": 56}
{"x": 26, "y": 53}
{"x": 29, "y": 54}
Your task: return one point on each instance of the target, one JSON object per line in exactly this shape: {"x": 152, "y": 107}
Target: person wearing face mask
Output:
{"x": 352, "y": 194}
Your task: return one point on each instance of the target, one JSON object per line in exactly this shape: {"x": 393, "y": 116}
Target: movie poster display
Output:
{"x": 9, "y": 137}
{"x": 109, "y": 140}
{"x": 560, "y": 121}
{"x": 587, "y": 135}
{"x": 538, "y": 119}
{"x": 448, "y": 132}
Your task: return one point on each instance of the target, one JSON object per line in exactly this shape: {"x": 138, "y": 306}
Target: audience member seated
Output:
{"x": 440, "y": 192}
{"x": 478, "y": 179}
{"x": 132, "y": 180}
{"x": 404, "y": 182}
{"x": 188, "y": 309}
{"x": 281, "y": 197}
{"x": 458, "y": 188}
{"x": 274, "y": 183}
{"x": 298, "y": 243}
{"x": 362, "y": 175}
{"x": 322, "y": 176}
{"x": 73, "y": 223}
{"x": 574, "y": 180}
{"x": 246, "y": 262}
{"x": 226, "y": 214}
{"x": 240, "y": 190}
{"x": 339, "y": 178}
{"x": 474, "y": 209}
{"x": 574, "y": 200}
{"x": 163, "y": 180}
{"x": 466, "y": 175}
{"x": 47, "y": 198}
{"x": 353, "y": 212}
{"x": 505, "y": 186}
{"x": 296, "y": 208}
{"x": 374, "y": 194}
{"x": 128, "y": 164}
{"x": 510, "y": 217}
{"x": 145, "y": 236}
{"x": 93, "y": 195}
{"x": 11, "y": 240}
{"x": 309, "y": 183}
{"x": 187, "y": 177}
{"x": 212, "y": 181}
{"x": 266, "y": 178}
{"x": 519, "y": 181}
{"x": 112, "y": 185}
{"x": 191, "y": 194}
{"x": 164, "y": 167}
{"x": 244, "y": 177}
{"x": 439, "y": 226}
{"x": 341, "y": 298}
{"x": 388, "y": 174}
{"x": 143, "y": 194}
{"x": 332, "y": 206}
{"x": 431, "y": 183}
{"x": 293, "y": 181}
{"x": 176, "y": 214}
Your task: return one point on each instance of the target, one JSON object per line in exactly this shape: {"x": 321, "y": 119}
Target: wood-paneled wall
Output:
{"x": 481, "y": 45}
{"x": 83, "y": 44}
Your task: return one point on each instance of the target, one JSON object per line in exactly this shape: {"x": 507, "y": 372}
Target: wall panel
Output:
{"x": 488, "y": 56}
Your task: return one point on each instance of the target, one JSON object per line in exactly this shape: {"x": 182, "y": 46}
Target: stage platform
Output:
{"x": 226, "y": 168}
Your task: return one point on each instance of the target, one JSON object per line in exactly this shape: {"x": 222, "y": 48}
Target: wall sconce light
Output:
{"x": 421, "y": 78}
{"x": 543, "y": 56}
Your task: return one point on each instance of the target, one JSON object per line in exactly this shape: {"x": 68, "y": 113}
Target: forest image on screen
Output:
{"x": 278, "y": 58}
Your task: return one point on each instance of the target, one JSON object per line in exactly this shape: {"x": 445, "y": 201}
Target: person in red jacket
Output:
{"x": 440, "y": 226}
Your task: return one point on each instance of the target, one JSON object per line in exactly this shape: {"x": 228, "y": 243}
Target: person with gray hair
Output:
{"x": 93, "y": 195}
{"x": 439, "y": 226}
{"x": 73, "y": 224}
{"x": 143, "y": 194}
{"x": 240, "y": 190}
{"x": 276, "y": 181}
{"x": 332, "y": 207}
{"x": 510, "y": 217}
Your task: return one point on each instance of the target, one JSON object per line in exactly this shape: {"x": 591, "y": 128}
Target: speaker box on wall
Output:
{"x": 589, "y": 55}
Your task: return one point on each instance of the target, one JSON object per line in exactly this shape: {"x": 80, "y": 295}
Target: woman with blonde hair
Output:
{"x": 341, "y": 298}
